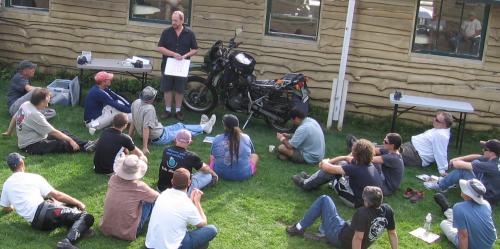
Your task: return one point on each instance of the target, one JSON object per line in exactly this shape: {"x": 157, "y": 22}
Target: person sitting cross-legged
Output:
{"x": 367, "y": 225}
{"x": 306, "y": 145}
{"x": 102, "y": 103}
{"x": 145, "y": 122}
{"x": 483, "y": 167}
{"x": 35, "y": 135}
{"x": 233, "y": 155}
{"x": 349, "y": 173}
{"x": 177, "y": 156}
{"x": 25, "y": 193}
{"x": 112, "y": 142}
{"x": 469, "y": 224}
{"x": 173, "y": 211}
{"x": 129, "y": 200}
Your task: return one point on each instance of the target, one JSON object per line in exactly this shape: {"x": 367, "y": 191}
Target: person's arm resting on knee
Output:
{"x": 62, "y": 197}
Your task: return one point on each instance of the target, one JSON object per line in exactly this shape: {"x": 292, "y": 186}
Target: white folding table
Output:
{"x": 433, "y": 103}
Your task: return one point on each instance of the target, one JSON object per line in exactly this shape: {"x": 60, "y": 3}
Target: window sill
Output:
{"x": 26, "y": 10}
{"x": 269, "y": 40}
{"x": 148, "y": 24}
{"x": 446, "y": 60}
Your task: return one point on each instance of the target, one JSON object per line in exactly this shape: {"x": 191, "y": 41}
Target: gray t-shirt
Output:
{"x": 393, "y": 169}
{"x": 309, "y": 139}
{"x": 31, "y": 125}
{"x": 16, "y": 88}
{"x": 144, "y": 115}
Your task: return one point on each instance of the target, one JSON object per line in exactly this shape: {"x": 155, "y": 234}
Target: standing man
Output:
{"x": 25, "y": 193}
{"x": 173, "y": 211}
{"x": 177, "y": 42}
{"x": 306, "y": 145}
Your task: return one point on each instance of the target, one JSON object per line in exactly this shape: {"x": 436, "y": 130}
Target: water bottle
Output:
{"x": 428, "y": 221}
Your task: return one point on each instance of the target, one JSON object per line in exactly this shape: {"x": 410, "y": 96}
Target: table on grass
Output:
{"x": 433, "y": 103}
{"x": 115, "y": 65}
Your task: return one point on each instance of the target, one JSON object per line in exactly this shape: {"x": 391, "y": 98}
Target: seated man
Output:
{"x": 102, "y": 104}
{"x": 20, "y": 89}
{"x": 351, "y": 174}
{"x": 483, "y": 167}
{"x": 469, "y": 224}
{"x": 129, "y": 200}
{"x": 307, "y": 145}
{"x": 145, "y": 121}
{"x": 173, "y": 211}
{"x": 430, "y": 146}
{"x": 367, "y": 224}
{"x": 177, "y": 156}
{"x": 111, "y": 143}
{"x": 35, "y": 135}
{"x": 388, "y": 162}
{"x": 25, "y": 193}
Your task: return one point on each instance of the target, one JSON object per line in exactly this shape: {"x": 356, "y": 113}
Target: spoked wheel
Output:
{"x": 199, "y": 96}
{"x": 286, "y": 126}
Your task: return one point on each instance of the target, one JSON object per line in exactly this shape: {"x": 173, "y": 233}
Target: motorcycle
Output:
{"x": 231, "y": 81}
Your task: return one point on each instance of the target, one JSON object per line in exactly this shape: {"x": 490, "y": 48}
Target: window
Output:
{"x": 296, "y": 18}
{"x": 35, "y": 4}
{"x": 159, "y": 11}
{"x": 454, "y": 28}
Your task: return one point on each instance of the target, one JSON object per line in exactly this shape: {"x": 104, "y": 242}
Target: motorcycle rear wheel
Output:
{"x": 199, "y": 96}
{"x": 287, "y": 126}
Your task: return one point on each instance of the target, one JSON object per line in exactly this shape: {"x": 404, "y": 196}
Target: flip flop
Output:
{"x": 419, "y": 195}
{"x": 409, "y": 193}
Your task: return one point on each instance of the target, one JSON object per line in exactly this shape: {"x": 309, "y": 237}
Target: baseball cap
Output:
{"x": 183, "y": 136}
{"x": 14, "y": 159}
{"x": 148, "y": 93}
{"x": 26, "y": 64}
{"x": 492, "y": 145}
{"x": 180, "y": 180}
{"x": 474, "y": 189}
{"x": 103, "y": 76}
{"x": 230, "y": 121}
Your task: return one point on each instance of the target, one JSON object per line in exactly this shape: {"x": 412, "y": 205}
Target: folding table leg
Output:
{"x": 394, "y": 116}
{"x": 80, "y": 80}
{"x": 462, "y": 133}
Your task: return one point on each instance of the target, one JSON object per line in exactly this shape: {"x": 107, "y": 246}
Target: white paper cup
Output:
{"x": 271, "y": 148}
{"x": 92, "y": 131}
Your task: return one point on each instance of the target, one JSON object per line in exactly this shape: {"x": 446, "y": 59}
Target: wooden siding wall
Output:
{"x": 379, "y": 59}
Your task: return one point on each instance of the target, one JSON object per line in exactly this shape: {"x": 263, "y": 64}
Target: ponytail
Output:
{"x": 234, "y": 142}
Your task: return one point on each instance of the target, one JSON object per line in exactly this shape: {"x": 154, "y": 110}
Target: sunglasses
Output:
{"x": 485, "y": 149}
{"x": 437, "y": 120}
{"x": 386, "y": 141}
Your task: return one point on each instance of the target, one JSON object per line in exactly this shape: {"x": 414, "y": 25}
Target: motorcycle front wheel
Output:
{"x": 286, "y": 126}
{"x": 199, "y": 96}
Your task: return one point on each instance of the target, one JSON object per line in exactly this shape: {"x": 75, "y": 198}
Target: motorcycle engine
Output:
{"x": 236, "y": 102}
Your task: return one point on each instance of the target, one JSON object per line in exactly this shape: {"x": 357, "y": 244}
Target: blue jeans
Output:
{"x": 199, "y": 180}
{"x": 331, "y": 222}
{"x": 170, "y": 131}
{"x": 198, "y": 238}
{"x": 146, "y": 213}
{"x": 454, "y": 177}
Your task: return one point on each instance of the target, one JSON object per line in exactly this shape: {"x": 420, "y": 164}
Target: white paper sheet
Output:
{"x": 176, "y": 67}
{"x": 424, "y": 235}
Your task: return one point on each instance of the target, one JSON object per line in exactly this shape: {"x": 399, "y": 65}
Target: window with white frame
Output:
{"x": 33, "y": 4}
{"x": 159, "y": 11}
{"x": 293, "y": 18}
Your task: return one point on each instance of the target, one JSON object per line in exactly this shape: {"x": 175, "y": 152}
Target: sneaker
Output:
{"x": 65, "y": 244}
{"x": 210, "y": 124}
{"x": 293, "y": 231}
{"x": 166, "y": 115}
{"x": 298, "y": 180}
{"x": 179, "y": 116}
{"x": 433, "y": 185}
{"x": 441, "y": 200}
{"x": 350, "y": 140}
{"x": 204, "y": 119}
{"x": 304, "y": 175}
{"x": 90, "y": 146}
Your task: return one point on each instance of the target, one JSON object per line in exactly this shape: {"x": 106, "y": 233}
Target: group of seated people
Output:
{"x": 361, "y": 179}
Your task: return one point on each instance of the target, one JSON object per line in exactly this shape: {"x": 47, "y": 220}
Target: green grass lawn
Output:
{"x": 251, "y": 214}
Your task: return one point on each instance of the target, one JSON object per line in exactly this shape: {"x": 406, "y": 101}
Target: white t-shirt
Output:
{"x": 469, "y": 28}
{"x": 25, "y": 191}
{"x": 31, "y": 125}
{"x": 432, "y": 146}
{"x": 172, "y": 212}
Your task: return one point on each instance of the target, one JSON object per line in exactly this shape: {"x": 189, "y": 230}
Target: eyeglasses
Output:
{"x": 437, "y": 120}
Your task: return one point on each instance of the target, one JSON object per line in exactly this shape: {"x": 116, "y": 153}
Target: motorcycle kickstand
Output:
{"x": 248, "y": 120}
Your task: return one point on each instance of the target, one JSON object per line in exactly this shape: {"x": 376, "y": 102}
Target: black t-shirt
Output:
{"x": 109, "y": 144}
{"x": 181, "y": 45}
{"x": 393, "y": 169}
{"x": 361, "y": 176}
{"x": 371, "y": 221}
{"x": 174, "y": 158}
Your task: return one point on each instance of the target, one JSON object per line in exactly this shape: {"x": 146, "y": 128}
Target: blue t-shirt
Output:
{"x": 488, "y": 172}
{"x": 16, "y": 88}
{"x": 477, "y": 220}
{"x": 309, "y": 139}
{"x": 98, "y": 98}
{"x": 239, "y": 168}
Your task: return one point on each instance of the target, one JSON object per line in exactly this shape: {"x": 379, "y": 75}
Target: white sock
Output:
{"x": 177, "y": 109}
{"x": 298, "y": 226}
{"x": 168, "y": 108}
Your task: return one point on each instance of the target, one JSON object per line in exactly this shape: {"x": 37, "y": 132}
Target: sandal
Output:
{"x": 419, "y": 195}
{"x": 409, "y": 193}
